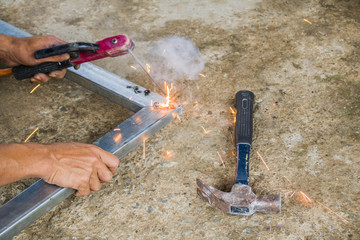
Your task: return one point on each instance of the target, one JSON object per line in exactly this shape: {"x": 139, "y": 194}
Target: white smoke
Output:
{"x": 175, "y": 58}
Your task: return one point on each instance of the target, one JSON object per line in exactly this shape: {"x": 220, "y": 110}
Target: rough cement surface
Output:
{"x": 306, "y": 81}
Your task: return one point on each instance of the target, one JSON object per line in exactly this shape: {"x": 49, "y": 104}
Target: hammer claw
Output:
{"x": 212, "y": 195}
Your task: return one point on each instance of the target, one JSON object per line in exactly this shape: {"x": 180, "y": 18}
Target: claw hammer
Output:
{"x": 241, "y": 200}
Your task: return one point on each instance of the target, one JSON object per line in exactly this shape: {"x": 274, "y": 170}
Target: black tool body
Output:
{"x": 243, "y": 134}
{"x": 22, "y": 72}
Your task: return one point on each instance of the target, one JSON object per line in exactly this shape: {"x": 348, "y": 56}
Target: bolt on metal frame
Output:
{"x": 39, "y": 198}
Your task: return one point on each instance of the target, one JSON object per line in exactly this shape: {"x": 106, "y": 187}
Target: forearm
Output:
{"x": 21, "y": 161}
{"x": 6, "y": 43}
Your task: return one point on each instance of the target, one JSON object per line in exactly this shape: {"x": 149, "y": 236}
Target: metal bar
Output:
{"x": 39, "y": 198}
{"x": 9, "y": 29}
{"x": 112, "y": 86}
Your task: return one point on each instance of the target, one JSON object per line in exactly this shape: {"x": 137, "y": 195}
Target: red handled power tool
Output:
{"x": 80, "y": 52}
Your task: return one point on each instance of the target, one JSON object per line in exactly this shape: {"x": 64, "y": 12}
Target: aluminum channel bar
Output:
{"x": 112, "y": 86}
{"x": 39, "y": 198}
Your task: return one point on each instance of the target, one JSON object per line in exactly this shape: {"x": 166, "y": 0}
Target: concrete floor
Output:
{"x": 305, "y": 76}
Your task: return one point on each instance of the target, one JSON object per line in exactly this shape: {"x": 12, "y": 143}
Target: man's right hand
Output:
{"x": 20, "y": 51}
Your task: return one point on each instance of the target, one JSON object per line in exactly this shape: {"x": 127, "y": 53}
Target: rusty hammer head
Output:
{"x": 241, "y": 200}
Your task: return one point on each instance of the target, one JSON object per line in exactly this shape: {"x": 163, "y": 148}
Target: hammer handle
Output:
{"x": 244, "y": 117}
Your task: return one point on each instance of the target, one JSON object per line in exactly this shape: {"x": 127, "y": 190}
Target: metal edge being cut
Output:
{"x": 39, "y": 198}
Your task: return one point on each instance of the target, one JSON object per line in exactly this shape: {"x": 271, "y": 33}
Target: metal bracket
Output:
{"x": 39, "y": 198}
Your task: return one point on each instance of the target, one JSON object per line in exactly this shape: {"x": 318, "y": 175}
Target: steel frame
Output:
{"x": 39, "y": 198}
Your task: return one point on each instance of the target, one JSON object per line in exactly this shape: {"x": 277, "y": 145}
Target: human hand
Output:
{"x": 79, "y": 166}
{"x": 21, "y": 52}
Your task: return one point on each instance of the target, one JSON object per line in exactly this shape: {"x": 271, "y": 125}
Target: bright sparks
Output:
{"x": 342, "y": 218}
{"x": 117, "y": 137}
{"x": 287, "y": 179}
{"x": 292, "y": 194}
{"x": 168, "y": 97}
{"x": 33, "y": 90}
{"x": 27, "y": 139}
{"x": 307, "y": 21}
{"x": 263, "y": 161}
{"x": 233, "y": 112}
{"x": 133, "y": 67}
{"x": 306, "y": 197}
{"x": 148, "y": 68}
{"x": 221, "y": 159}
{"x": 232, "y": 138}
{"x": 205, "y": 131}
{"x": 167, "y": 104}
{"x": 202, "y": 75}
{"x": 168, "y": 154}
{"x": 176, "y": 115}
{"x": 138, "y": 120}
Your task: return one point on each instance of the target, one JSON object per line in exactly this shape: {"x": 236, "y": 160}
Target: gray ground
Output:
{"x": 306, "y": 81}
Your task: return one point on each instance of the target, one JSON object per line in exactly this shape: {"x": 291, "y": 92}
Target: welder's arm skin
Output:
{"x": 72, "y": 165}
{"x": 20, "y": 51}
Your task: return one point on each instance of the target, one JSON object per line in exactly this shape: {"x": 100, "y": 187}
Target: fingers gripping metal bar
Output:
{"x": 21, "y": 211}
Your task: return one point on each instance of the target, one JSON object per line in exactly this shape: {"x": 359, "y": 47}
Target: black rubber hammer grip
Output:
{"x": 244, "y": 123}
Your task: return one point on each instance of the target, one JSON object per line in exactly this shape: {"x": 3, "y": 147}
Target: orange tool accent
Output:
{"x": 6, "y": 71}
